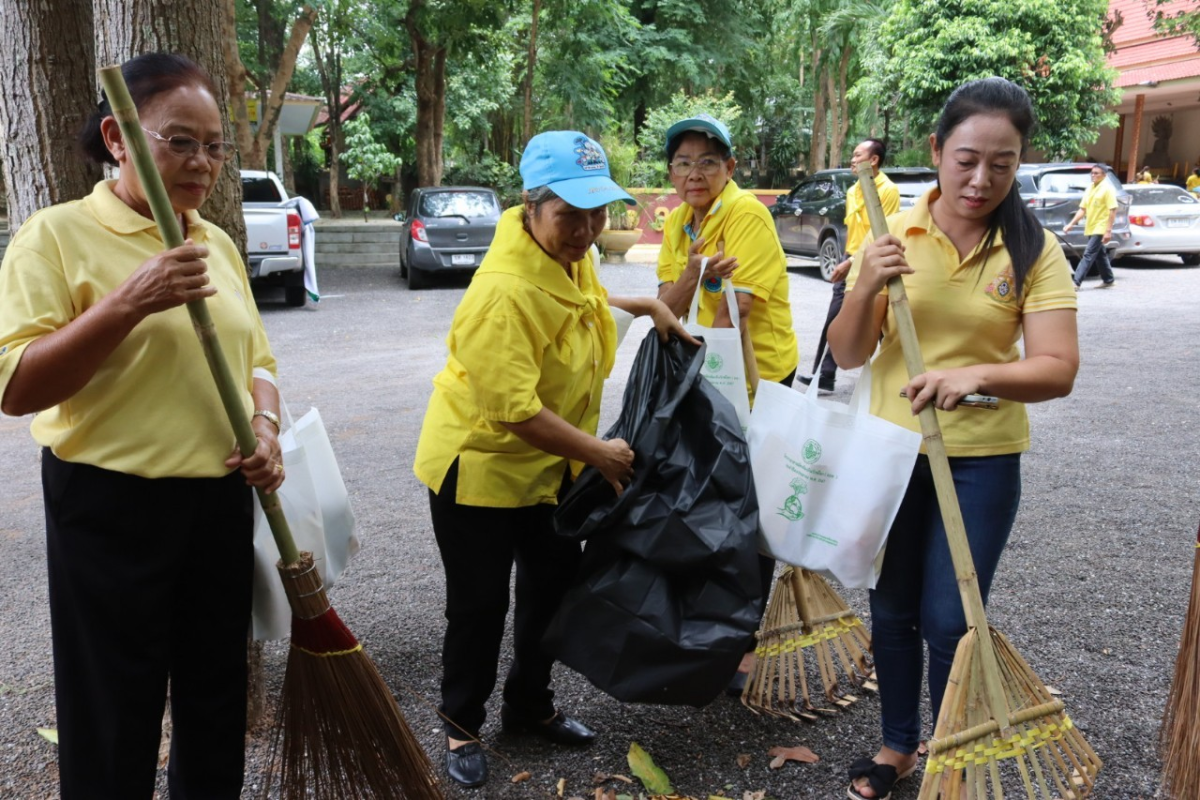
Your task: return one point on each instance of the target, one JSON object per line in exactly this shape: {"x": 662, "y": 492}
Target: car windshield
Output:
{"x": 1065, "y": 182}
{"x": 471, "y": 205}
{"x": 259, "y": 190}
{"x": 1160, "y": 196}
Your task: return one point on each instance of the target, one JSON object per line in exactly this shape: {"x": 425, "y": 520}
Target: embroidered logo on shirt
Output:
{"x": 1002, "y": 288}
{"x": 712, "y": 284}
{"x": 590, "y": 156}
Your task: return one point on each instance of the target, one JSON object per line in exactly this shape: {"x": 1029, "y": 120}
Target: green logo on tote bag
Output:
{"x": 713, "y": 362}
{"x": 812, "y": 451}
{"x": 793, "y": 509}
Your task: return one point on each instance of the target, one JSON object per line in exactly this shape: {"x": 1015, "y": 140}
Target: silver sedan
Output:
{"x": 1163, "y": 219}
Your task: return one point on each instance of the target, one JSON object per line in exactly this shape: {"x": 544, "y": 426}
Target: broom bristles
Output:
{"x": 820, "y": 623}
{"x": 1180, "y": 733}
{"x": 340, "y": 732}
{"x": 1041, "y": 755}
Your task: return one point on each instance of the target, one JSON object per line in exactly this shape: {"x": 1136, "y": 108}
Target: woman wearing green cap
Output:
{"x": 730, "y": 226}
{"x": 512, "y": 420}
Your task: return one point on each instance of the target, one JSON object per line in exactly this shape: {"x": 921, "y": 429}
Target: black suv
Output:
{"x": 810, "y": 219}
{"x": 1053, "y": 192}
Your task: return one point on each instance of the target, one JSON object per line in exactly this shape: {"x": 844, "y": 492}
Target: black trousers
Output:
{"x": 149, "y": 581}
{"x": 828, "y": 367}
{"x": 479, "y": 547}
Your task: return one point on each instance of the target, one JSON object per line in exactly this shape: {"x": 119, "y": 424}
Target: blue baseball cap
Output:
{"x": 573, "y": 166}
{"x": 701, "y": 123}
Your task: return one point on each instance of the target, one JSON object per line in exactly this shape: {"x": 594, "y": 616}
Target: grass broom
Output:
{"x": 807, "y": 615}
{"x": 341, "y": 733}
{"x": 1180, "y": 734}
{"x": 998, "y": 723}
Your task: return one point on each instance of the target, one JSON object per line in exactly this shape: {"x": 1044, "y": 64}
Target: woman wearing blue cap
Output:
{"x": 512, "y": 420}
{"x": 733, "y": 228}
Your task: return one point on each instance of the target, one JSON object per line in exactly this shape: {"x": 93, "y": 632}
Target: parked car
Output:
{"x": 1163, "y": 219}
{"x": 810, "y": 219}
{"x": 446, "y": 229}
{"x": 273, "y": 235}
{"x": 1053, "y": 192}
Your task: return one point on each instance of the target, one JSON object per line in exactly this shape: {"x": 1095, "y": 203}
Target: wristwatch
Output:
{"x": 270, "y": 416}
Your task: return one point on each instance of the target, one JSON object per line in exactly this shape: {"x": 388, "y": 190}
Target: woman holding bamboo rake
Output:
{"x": 981, "y": 276}
{"x": 149, "y": 522}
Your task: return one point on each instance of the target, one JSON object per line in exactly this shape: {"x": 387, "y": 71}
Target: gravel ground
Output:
{"x": 1092, "y": 591}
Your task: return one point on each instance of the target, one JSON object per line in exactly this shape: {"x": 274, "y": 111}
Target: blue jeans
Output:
{"x": 1095, "y": 252}
{"x": 917, "y": 595}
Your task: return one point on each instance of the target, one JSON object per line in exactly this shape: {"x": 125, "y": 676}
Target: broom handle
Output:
{"x": 126, "y": 115}
{"x": 939, "y": 463}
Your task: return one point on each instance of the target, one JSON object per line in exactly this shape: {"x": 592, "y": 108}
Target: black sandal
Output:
{"x": 880, "y": 777}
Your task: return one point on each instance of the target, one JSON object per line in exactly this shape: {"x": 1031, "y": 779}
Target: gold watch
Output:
{"x": 270, "y": 416}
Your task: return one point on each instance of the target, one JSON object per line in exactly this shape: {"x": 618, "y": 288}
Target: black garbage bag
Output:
{"x": 668, "y": 597}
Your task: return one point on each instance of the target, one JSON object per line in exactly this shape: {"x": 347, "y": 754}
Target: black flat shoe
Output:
{"x": 467, "y": 766}
{"x": 561, "y": 729}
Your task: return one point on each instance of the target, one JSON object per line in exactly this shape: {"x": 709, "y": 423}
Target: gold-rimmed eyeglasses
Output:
{"x": 186, "y": 146}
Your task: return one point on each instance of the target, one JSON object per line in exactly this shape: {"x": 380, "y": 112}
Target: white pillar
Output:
{"x": 278, "y": 152}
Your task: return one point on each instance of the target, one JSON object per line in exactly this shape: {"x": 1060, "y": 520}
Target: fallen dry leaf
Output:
{"x": 624, "y": 778}
{"x": 760, "y": 795}
{"x": 562, "y": 786}
{"x": 782, "y": 755}
{"x": 1053, "y": 691}
{"x": 521, "y": 776}
{"x": 743, "y": 760}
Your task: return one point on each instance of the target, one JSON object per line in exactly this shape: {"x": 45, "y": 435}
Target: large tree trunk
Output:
{"x": 47, "y": 91}
{"x": 816, "y": 154}
{"x": 194, "y": 28}
{"x": 329, "y": 67}
{"x": 530, "y": 63}
{"x": 842, "y": 127}
{"x": 431, "y": 99}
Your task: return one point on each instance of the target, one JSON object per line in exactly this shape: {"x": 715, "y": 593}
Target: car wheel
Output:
{"x": 418, "y": 278}
{"x": 404, "y": 264}
{"x": 293, "y": 289}
{"x": 1191, "y": 259}
{"x": 830, "y": 256}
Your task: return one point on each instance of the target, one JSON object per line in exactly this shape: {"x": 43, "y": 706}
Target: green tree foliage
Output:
{"x": 366, "y": 160}
{"x": 1052, "y": 49}
{"x": 651, "y": 171}
{"x": 1177, "y": 18}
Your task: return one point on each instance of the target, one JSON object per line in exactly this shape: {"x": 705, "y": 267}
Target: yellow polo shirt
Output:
{"x": 966, "y": 312}
{"x": 1098, "y": 200}
{"x": 740, "y": 219}
{"x": 152, "y": 408}
{"x": 858, "y": 225}
{"x": 1193, "y": 182}
{"x": 525, "y": 336}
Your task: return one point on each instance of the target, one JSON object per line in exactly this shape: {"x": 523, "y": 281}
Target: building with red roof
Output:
{"x": 1160, "y": 81}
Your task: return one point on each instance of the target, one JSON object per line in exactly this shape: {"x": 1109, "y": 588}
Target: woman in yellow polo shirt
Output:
{"x": 136, "y": 466}
{"x": 733, "y": 228}
{"x": 511, "y": 421}
{"x": 981, "y": 275}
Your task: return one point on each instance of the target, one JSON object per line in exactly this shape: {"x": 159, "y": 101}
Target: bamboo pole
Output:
{"x": 232, "y": 394}
{"x": 935, "y": 448}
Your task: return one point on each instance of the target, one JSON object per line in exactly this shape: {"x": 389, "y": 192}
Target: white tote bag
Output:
{"x": 724, "y": 366}
{"x": 317, "y": 507}
{"x": 829, "y": 479}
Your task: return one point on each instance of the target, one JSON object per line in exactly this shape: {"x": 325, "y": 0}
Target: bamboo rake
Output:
{"x": 343, "y": 734}
{"x": 995, "y": 708}
{"x": 1180, "y": 733}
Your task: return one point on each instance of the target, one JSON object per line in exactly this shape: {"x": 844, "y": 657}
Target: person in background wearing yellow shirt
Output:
{"x": 857, "y": 228}
{"x": 1099, "y": 205}
{"x": 1193, "y": 181}
{"x": 137, "y": 472}
{"x": 1146, "y": 176}
{"x": 733, "y": 228}
{"x": 512, "y": 420}
{"x": 980, "y": 274}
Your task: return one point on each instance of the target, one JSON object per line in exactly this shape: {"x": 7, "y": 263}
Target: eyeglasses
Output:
{"x": 707, "y": 166}
{"x": 186, "y": 146}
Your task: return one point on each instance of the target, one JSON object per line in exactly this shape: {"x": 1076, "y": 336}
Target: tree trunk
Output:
{"x": 835, "y": 121}
{"x": 431, "y": 99}
{"x": 816, "y": 154}
{"x": 843, "y": 104}
{"x": 47, "y": 91}
{"x": 329, "y": 67}
{"x": 529, "y": 68}
{"x": 194, "y": 28}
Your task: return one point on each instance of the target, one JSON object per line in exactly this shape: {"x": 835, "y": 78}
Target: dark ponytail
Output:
{"x": 147, "y": 76}
{"x": 1023, "y": 234}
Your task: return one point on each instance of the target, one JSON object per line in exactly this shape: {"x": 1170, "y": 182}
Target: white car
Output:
{"x": 1163, "y": 219}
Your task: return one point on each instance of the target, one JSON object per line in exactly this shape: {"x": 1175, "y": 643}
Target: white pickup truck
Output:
{"x": 273, "y": 235}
